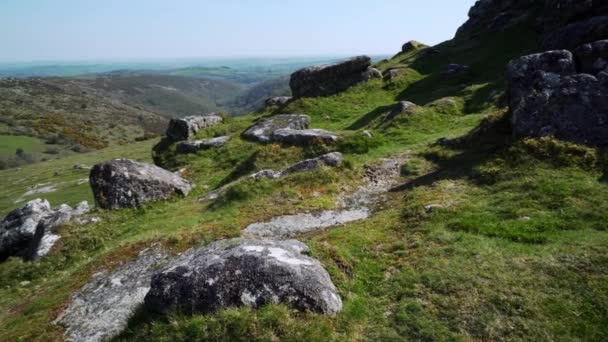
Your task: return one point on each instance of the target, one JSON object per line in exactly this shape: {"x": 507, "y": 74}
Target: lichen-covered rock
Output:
{"x": 185, "y": 128}
{"x": 392, "y": 74}
{"x": 301, "y": 137}
{"x": 185, "y": 147}
{"x": 103, "y": 307}
{"x": 29, "y": 231}
{"x": 592, "y": 58}
{"x": 262, "y": 131}
{"x": 548, "y": 97}
{"x": 374, "y": 73}
{"x": 278, "y": 100}
{"x": 498, "y": 15}
{"x": 239, "y": 272}
{"x": 403, "y": 107}
{"x": 333, "y": 159}
{"x": 331, "y": 79}
{"x": 124, "y": 183}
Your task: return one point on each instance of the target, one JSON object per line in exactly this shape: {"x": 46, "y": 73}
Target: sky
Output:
{"x": 37, "y": 30}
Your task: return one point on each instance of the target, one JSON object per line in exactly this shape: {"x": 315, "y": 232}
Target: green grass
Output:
{"x": 515, "y": 250}
{"x": 10, "y": 143}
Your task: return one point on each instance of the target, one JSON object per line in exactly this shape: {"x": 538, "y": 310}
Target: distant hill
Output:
{"x": 254, "y": 98}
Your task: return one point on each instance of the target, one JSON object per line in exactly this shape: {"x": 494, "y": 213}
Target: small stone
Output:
{"x": 186, "y": 147}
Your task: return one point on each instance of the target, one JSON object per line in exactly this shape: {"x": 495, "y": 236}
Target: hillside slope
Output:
{"x": 485, "y": 236}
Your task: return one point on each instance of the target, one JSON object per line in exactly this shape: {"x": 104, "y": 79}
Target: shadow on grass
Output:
{"x": 369, "y": 117}
{"x": 244, "y": 168}
{"x": 141, "y": 317}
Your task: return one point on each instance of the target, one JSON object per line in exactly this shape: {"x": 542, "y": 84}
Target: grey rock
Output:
{"x": 123, "y": 183}
{"x": 301, "y": 137}
{"x": 498, "y": 15}
{"x": 185, "y": 147}
{"x": 403, "y": 107}
{"x": 575, "y": 34}
{"x": 592, "y": 58}
{"x": 262, "y": 131}
{"x": 278, "y": 101}
{"x": 82, "y": 208}
{"x": 185, "y": 128}
{"x": 392, "y": 74}
{"x": 547, "y": 97}
{"x": 235, "y": 273}
{"x": 283, "y": 227}
{"x": 330, "y": 79}
{"x": 102, "y": 308}
{"x": 456, "y": 68}
{"x": 81, "y": 167}
{"x": 374, "y": 73}
{"x": 331, "y": 159}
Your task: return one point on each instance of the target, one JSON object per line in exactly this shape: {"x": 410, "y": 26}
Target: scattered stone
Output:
{"x": 331, "y": 79}
{"x": 102, "y": 308}
{"x": 592, "y": 58}
{"x": 432, "y": 207}
{"x": 548, "y": 97}
{"x": 302, "y": 137}
{"x": 185, "y": 147}
{"x": 29, "y": 231}
{"x": 262, "y": 131}
{"x": 284, "y": 227}
{"x": 278, "y": 101}
{"x": 456, "y": 68}
{"x": 411, "y": 46}
{"x": 239, "y": 272}
{"x": 123, "y": 183}
{"x": 403, "y": 107}
{"x": 81, "y": 167}
{"x": 391, "y": 74}
{"x": 374, "y": 73}
{"x": 331, "y": 159}
{"x": 185, "y": 128}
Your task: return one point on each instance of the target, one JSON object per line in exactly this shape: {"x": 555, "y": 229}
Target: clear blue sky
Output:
{"x": 133, "y": 29}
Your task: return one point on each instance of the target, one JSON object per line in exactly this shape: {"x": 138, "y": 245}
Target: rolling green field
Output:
{"x": 10, "y": 143}
{"x": 516, "y": 247}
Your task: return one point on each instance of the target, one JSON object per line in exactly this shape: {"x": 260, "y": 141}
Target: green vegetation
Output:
{"x": 489, "y": 238}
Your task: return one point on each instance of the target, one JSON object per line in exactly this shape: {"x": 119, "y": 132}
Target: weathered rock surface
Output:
{"x": 303, "y": 136}
{"x": 331, "y": 79}
{"x": 392, "y": 74}
{"x": 592, "y": 58}
{"x": 185, "y": 147}
{"x": 102, "y": 308}
{"x": 283, "y": 227}
{"x": 278, "y": 100}
{"x": 123, "y": 183}
{"x": 403, "y": 107}
{"x": 262, "y": 131}
{"x": 331, "y": 159}
{"x": 498, "y": 15}
{"x": 575, "y": 34}
{"x": 28, "y": 231}
{"x": 185, "y": 128}
{"x": 234, "y": 273}
{"x": 548, "y": 97}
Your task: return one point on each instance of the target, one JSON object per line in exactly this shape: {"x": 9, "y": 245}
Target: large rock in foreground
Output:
{"x": 103, "y": 307}
{"x": 124, "y": 183}
{"x": 28, "y": 231}
{"x": 186, "y": 128}
{"x": 331, "y": 79}
{"x": 234, "y": 273}
{"x": 548, "y": 97}
{"x": 263, "y": 130}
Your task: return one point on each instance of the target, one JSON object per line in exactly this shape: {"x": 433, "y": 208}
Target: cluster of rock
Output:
{"x": 29, "y": 232}
{"x": 186, "y": 147}
{"x": 564, "y": 24}
{"x": 124, "y": 183}
{"x": 562, "y": 94}
{"x": 288, "y": 129}
{"x": 332, "y": 79}
{"x": 331, "y": 159}
{"x": 186, "y": 128}
{"x": 278, "y": 101}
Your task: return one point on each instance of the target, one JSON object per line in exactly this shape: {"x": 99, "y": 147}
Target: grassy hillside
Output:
{"x": 515, "y": 248}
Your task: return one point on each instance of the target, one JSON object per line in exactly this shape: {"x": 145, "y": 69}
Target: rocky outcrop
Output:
{"x": 301, "y": 137}
{"x": 412, "y": 45}
{"x": 577, "y": 33}
{"x": 185, "y": 128}
{"x": 102, "y": 308}
{"x": 278, "y": 101}
{"x": 124, "y": 183}
{"x": 185, "y": 147}
{"x": 498, "y": 15}
{"x": 332, "y": 79}
{"x": 263, "y": 130}
{"x": 331, "y": 159}
{"x": 235, "y": 273}
{"x": 29, "y": 231}
{"x": 403, "y": 107}
{"x": 592, "y": 58}
{"x": 548, "y": 97}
